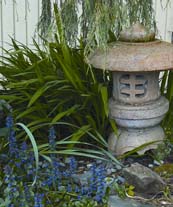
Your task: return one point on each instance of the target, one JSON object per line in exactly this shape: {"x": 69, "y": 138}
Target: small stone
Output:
{"x": 89, "y": 165}
{"x": 150, "y": 165}
{"x": 156, "y": 162}
{"x": 109, "y": 165}
{"x": 61, "y": 164}
{"x": 61, "y": 188}
{"x": 81, "y": 162}
{"x": 81, "y": 168}
{"x": 113, "y": 170}
{"x": 121, "y": 179}
{"x": 108, "y": 171}
{"x": 130, "y": 160}
{"x": 99, "y": 161}
{"x": 115, "y": 201}
{"x": 82, "y": 179}
{"x": 144, "y": 179}
{"x": 67, "y": 160}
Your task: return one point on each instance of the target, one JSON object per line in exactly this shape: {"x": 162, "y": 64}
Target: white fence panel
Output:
{"x": 18, "y": 19}
{"x": 21, "y": 21}
{"x": 164, "y": 19}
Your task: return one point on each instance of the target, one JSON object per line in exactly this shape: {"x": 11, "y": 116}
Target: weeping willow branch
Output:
{"x": 95, "y": 20}
{"x": 45, "y": 18}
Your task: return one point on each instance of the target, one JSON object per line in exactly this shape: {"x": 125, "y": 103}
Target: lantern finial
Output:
{"x": 137, "y": 33}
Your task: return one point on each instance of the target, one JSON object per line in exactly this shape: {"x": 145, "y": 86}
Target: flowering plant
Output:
{"x": 54, "y": 185}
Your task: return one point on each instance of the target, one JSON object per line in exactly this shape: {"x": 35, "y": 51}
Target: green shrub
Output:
{"x": 167, "y": 90}
{"x": 55, "y": 84}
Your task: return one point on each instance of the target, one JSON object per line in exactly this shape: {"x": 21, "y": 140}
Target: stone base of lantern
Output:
{"x": 138, "y": 125}
{"x": 129, "y": 139}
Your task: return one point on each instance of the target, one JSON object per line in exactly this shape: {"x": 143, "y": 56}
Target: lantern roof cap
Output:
{"x": 137, "y": 33}
{"x": 137, "y": 50}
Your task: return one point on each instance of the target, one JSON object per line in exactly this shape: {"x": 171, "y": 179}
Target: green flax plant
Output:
{"x": 167, "y": 90}
{"x": 52, "y": 84}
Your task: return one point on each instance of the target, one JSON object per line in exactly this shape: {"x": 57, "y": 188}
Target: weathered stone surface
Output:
{"x": 134, "y": 57}
{"x": 136, "y": 106}
{"x": 144, "y": 179}
{"x": 137, "y": 33}
{"x": 138, "y": 51}
{"x": 115, "y": 201}
{"x": 129, "y": 139}
{"x": 82, "y": 179}
{"x": 138, "y": 116}
{"x": 136, "y": 88}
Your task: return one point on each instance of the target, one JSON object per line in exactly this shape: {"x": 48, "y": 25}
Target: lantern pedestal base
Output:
{"x": 129, "y": 139}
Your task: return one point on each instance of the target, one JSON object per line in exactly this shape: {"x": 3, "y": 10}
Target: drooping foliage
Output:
{"x": 94, "y": 21}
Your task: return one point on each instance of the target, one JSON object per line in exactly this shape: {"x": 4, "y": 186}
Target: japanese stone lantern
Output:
{"x": 136, "y": 105}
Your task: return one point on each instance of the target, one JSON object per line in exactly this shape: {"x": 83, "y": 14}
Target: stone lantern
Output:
{"x": 136, "y": 105}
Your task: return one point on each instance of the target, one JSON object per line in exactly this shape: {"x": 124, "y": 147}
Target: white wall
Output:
{"x": 164, "y": 18}
{"x": 18, "y": 19}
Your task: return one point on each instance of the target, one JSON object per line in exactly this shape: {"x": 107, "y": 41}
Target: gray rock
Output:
{"x": 81, "y": 169}
{"x": 150, "y": 165}
{"x": 82, "y": 179}
{"x": 108, "y": 171}
{"x": 89, "y": 165}
{"x": 115, "y": 201}
{"x": 121, "y": 179}
{"x": 113, "y": 170}
{"x": 81, "y": 162}
{"x": 67, "y": 160}
{"x": 144, "y": 179}
{"x": 99, "y": 161}
{"x": 61, "y": 164}
{"x": 158, "y": 163}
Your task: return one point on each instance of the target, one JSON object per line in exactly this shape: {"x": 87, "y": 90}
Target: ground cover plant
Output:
{"x": 51, "y": 184}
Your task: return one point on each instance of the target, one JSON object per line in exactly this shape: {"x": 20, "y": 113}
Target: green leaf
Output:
{"x": 169, "y": 94}
{"x": 28, "y": 111}
{"x": 64, "y": 113}
{"x": 78, "y": 134}
{"x": 104, "y": 95}
{"x": 3, "y": 132}
{"x": 113, "y": 125}
{"x": 74, "y": 152}
{"x": 138, "y": 149}
{"x": 35, "y": 149}
{"x": 37, "y": 95}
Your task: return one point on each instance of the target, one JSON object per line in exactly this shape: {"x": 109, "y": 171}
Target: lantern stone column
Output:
{"x": 136, "y": 104}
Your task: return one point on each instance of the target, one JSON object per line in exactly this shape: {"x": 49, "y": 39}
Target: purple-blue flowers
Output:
{"x": 38, "y": 200}
{"x": 54, "y": 175}
{"x": 10, "y": 180}
{"x": 97, "y": 183}
{"x": 13, "y": 151}
{"x": 52, "y": 138}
